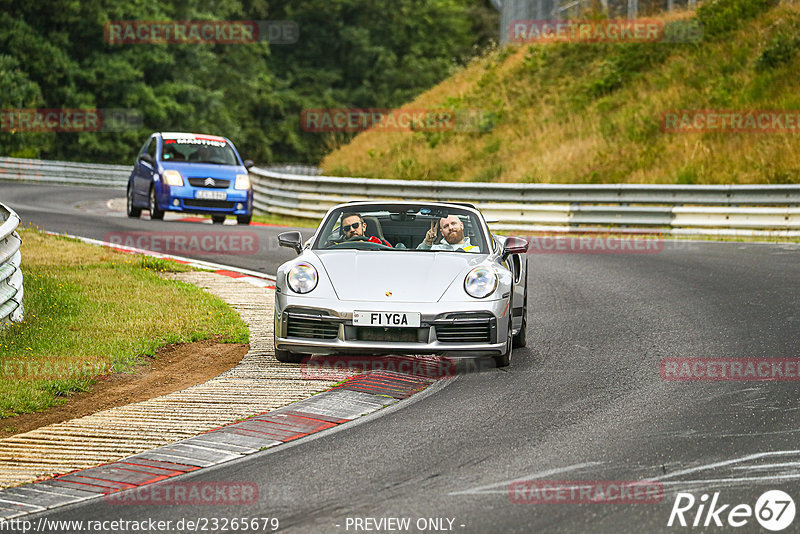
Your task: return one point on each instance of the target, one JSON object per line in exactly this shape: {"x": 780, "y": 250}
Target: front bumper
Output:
{"x": 319, "y": 326}
{"x": 183, "y": 199}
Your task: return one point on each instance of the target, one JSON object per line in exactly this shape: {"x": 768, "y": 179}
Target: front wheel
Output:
{"x": 132, "y": 210}
{"x": 244, "y": 219}
{"x": 218, "y": 219}
{"x": 155, "y": 213}
{"x": 521, "y": 339}
{"x": 288, "y": 357}
{"x": 503, "y": 360}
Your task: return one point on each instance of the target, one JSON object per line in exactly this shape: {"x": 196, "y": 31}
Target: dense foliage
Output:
{"x": 350, "y": 53}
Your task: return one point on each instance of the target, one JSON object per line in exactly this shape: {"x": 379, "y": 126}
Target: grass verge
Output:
{"x": 285, "y": 220}
{"x": 91, "y": 311}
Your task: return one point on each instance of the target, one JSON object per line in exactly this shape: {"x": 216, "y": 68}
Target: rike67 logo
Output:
{"x": 774, "y": 510}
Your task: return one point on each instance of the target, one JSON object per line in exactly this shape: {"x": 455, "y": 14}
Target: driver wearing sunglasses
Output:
{"x": 354, "y": 228}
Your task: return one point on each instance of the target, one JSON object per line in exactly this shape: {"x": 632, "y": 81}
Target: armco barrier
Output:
{"x": 299, "y": 191}
{"x": 677, "y": 209}
{"x": 11, "y": 290}
{"x": 64, "y": 172}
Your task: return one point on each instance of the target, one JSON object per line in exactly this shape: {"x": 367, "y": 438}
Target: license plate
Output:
{"x": 211, "y": 195}
{"x": 386, "y": 319}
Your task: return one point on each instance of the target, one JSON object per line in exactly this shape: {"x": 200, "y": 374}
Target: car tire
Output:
{"x": 288, "y": 357}
{"x": 155, "y": 213}
{"x": 521, "y": 339}
{"x": 244, "y": 219}
{"x": 218, "y": 219}
{"x": 132, "y": 210}
{"x": 503, "y": 360}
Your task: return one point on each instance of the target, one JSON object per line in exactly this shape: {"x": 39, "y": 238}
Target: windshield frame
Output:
{"x": 189, "y": 141}
{"x": 332, "y": 220}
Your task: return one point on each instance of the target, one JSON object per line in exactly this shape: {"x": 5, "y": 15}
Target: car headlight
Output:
{"x": 172, "y": 178}
{"x": 302, "y": 278}
{"x": 480, "y": 282}
{"x": 242, "y": 181}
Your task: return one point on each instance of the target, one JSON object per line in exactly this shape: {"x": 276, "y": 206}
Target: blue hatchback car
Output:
{"x": 191, "y": 173}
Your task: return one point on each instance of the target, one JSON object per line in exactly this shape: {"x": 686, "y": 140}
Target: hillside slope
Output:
{"x": 594, "y": 112}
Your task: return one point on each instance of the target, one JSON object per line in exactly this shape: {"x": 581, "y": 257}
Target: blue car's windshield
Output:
{"x": 198, "y": 150}
{"x": 403, "y": 228}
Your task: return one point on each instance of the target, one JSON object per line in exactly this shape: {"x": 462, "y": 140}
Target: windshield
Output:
{"x": 419, "y": 228}
{"x": 198, "y": 150}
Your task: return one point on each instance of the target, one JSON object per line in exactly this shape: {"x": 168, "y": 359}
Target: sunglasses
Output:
{"x": 354, "y": 226}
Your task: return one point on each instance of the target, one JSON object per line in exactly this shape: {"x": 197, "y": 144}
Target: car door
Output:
{"x": 145, "y": 170}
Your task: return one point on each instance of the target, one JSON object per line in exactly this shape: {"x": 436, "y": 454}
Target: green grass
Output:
{"x": 91, "y": 311}
{"x": 285, "y": 220}
{"x": 161, "y": 265}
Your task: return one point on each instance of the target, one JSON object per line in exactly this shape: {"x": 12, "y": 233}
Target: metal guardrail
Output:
{"x": 300, "y": 191}
{"x": 678, "y": 209}
{"x": 11, "y": 290}
{"x": 68, "y": 172}
{"x": 64, "y": 172}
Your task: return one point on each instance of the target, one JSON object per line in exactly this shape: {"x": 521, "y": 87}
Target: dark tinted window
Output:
{"x": 151, "y": 148}
{"x": 198, "y": 151}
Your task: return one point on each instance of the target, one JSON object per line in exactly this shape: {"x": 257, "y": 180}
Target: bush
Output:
{"x": 780, "y": 50}
{"x": 722, "y": 16}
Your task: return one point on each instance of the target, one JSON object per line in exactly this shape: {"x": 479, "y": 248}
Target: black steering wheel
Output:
{"x": 333, "y": 242}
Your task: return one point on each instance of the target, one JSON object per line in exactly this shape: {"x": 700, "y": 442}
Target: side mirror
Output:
{"x": 148, "y": 158}
{"x": 514, "y": 245}
{"x": 292, "y": 240}
{"x": 248, "y": 163}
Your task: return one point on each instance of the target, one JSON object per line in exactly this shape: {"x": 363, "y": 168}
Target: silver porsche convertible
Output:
{"x": 387, "y": 277}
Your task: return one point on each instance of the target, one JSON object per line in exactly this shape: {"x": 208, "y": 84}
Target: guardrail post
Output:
{"x": 11, "y": 289}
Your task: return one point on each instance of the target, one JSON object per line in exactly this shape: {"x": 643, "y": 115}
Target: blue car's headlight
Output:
{"x": 242, "y": 181}
{"x": 172, "y": 178}
{"x": 480, "y": 282}
{"x": 302, "y": 278}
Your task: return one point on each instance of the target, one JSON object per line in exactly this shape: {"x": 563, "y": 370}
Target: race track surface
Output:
{"x": 585, "y": 401}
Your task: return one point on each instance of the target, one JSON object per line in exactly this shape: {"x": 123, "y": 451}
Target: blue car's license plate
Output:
{"x": 211, "y": 195}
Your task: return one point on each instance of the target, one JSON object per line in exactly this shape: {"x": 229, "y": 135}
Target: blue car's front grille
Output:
{"x": 200, "y": 203}
{"x": 217, "y": 183}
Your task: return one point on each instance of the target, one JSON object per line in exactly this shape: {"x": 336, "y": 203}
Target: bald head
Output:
{"x": 452, "y": 229}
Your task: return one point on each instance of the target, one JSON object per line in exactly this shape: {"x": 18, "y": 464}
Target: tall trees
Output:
{"x": 350, "y": 53}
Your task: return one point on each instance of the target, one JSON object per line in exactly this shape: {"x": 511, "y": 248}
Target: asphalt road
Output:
{"x": 99, "y": 213}
{"x": 584, "y": 402}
